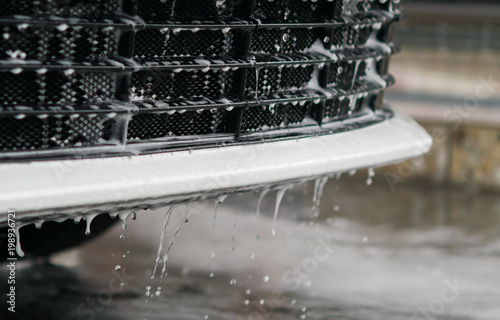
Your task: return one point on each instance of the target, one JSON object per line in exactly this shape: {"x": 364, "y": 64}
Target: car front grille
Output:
{"x": 80, "y": 77}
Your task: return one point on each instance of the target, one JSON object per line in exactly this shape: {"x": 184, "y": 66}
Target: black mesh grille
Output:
{"x": 286, "y": 9}
{"x": 31, "y": 88}
{"x": 342, "y": 107}
{"x": 153, "y": 125}
{"x": 64, "y": 43}
{"x": 157, "y": 11}
{"x": 150, "y": 85}
{"x": 64, "y": 8}
{"x": 162, "y": 44}
{"x": 32, "y": 133}
{"x": 269, "y": 80}
{"x": 352, "y": 7}
{"x": 351, "y": 36}
{"x": 282, "y": 41}
{"x": 71, "y": 69}
{"x": 274, "y": 116}
{"x": 342, "y": 75}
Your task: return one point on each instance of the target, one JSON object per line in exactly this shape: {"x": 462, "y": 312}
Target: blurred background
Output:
{"x": 448, "y": 78}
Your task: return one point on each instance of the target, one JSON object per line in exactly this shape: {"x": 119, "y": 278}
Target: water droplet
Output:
{"x": 247, "y": 302}
{"x": 365, "y": 239}
{"x": 266, "y": 279}
{"x": 233, "y": 282}
{"x": 211, "y": 274}
{"x": 261, "y": 301}
{"x": 248, "y": 291}
{"x": 122, "y": 236}
{"x": 158, "y": 291}
{"x": 286, "y": 37}
{"x": 371, "y": 174}
{"x": 336, "y": 208}
{"x": 89, "y": 219}
{"x": 117, "y": 267}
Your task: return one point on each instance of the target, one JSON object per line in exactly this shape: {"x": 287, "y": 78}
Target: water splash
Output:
{"x": 165, "y": 257}
{"x": 279, "y": 196}
{"x": 160, "y": 246}
{"x": 261, "y": 197}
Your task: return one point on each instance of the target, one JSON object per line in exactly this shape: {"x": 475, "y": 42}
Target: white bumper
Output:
{"x": 65, "y": 186}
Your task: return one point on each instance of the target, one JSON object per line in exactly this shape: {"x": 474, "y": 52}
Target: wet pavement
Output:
{"x": 415, "y": 253}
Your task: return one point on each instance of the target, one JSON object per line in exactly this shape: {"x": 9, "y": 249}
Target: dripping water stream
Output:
{"x": 319, "y": 185}
{"x": 165, "y": 257}
{"x": 279, "y": 196}
{"x": 163, "y": 231}
{"x": 259, "y": 202}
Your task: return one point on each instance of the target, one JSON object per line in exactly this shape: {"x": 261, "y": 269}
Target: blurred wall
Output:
{"x": 448, "y": 78}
